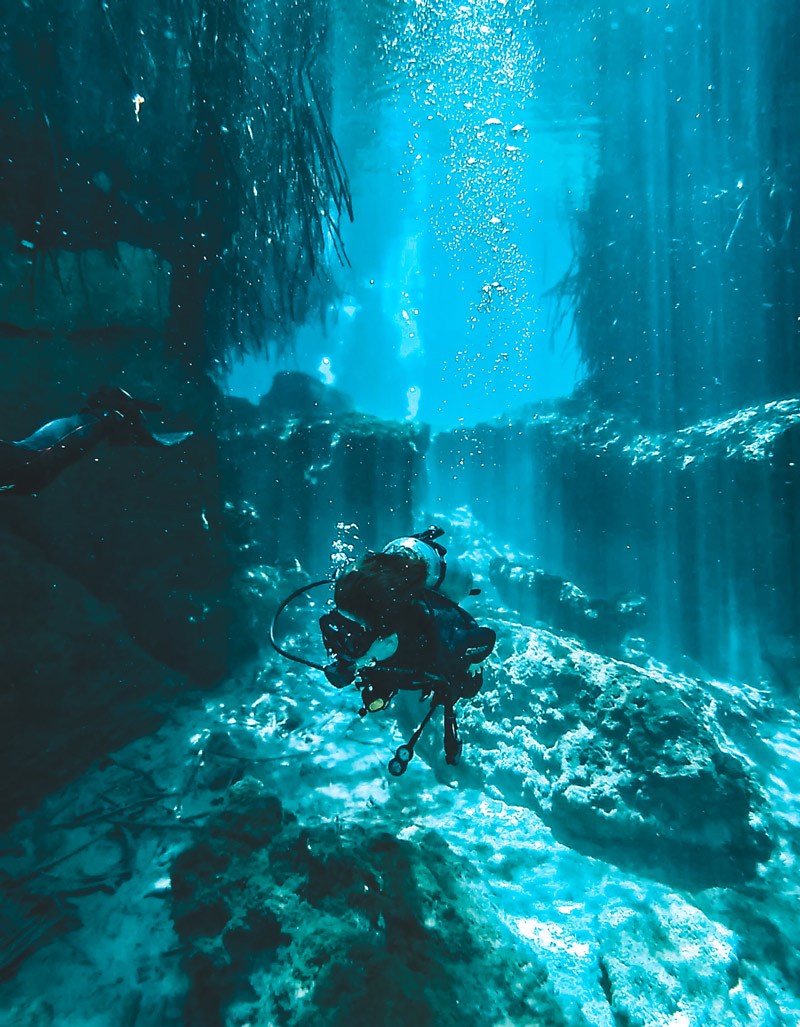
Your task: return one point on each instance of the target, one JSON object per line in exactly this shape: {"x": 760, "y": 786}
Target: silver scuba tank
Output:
{"x": 447, "y": 575}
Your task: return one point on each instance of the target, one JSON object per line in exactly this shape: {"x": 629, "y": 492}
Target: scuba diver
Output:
{"x": 397, "y": 626}
{"x": 27, "y": 466}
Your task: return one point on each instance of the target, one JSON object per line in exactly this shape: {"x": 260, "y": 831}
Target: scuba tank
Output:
{"x": 448, "y": 576}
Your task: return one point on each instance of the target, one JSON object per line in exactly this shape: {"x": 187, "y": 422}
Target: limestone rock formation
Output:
{"x": 701, "y": 522}
{"x": 306, "y": 925}
{"x": 294, "y": 394}
{"x": 603, "y": 624}
{"x": 304, "y": 475}
{"x": 671, "y": 960}
{"x": 626, "y": 763}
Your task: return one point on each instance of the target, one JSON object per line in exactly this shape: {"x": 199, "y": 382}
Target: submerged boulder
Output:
{"x": 295, "y": 394}
{"x": 671, "y": 964}
{"x": 603, "y": 624}
{"x": 623, "y": 762}
{"x": 311, "y": 925}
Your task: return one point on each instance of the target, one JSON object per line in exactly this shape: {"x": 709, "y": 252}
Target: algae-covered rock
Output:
{"x": 670, "y": 964}
{"x": 623, "y": 762}
{"x": 312, "y": 925}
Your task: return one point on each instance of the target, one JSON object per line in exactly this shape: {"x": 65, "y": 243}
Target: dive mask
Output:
{"x": 346, "y": 640}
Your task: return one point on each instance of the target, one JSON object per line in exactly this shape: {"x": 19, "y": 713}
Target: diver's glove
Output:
{"x": 341, "y": 673}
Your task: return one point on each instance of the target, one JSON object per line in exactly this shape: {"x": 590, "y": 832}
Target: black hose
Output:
{"x": 279, "y": 611}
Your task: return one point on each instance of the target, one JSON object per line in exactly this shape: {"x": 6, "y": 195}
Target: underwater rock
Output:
{"x": 295, "y": 394}
{"x": 782, "y": 656}
{"x": 702, "y": 522}
{"x": 292, "y": 395}
{"x": 312, "y": 925}
{"x": 624, "y": 763}
{"x": 766, "y": 925}
{"x": 162, "y": 175}
{"x": 36, "y": 1013}
{"x": 602, "y": 624}
{"x": 74, "y": 684}
{"x": 671, "y": 964}
{"x": 125, "y": 289}
{"x": 301, "y": 478}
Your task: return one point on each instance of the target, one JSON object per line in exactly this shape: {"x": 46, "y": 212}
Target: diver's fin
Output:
{"x": 28, "y": 465}
{"x": 168, "y": 438}
{"x": 126, "y": 421}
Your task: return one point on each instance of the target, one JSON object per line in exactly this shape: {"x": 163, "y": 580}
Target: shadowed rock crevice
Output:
{"x": 304, "y": 925}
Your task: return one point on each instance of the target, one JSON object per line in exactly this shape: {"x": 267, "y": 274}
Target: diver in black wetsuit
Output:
{"x": 397, "y": 626}
{"x": 27, "y": 466}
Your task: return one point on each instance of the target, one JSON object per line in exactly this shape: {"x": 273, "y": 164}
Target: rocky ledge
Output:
{"x": 702, "y": 522}
{"x": 607, "y": 625}
{"x": 626, "y": 763}
{"x": 304, "y": 465}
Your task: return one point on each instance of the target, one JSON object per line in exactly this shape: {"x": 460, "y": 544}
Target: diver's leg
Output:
{"x": 452, "y": 743}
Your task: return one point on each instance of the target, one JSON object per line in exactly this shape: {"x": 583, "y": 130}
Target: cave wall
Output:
{"x": 140, "y": 528}
{"x": 196, "y": 131}
{"x": 703, "y": 523}
{"x": 683, "y": 288}
{"x": 76, "y": 686}
{"x": 300, "y": 479}
{"x": 170, "y": 191}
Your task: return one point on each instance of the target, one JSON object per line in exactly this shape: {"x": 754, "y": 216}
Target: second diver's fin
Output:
{"x": 127, "y": 425}
{"x": 167, "y": 438}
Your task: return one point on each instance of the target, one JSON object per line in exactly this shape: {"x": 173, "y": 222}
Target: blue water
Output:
{"x": 464, "y": 169}
{"x": 574, "y": 254}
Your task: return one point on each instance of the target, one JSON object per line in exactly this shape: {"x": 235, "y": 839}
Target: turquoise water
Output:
{"x": 464, "y": 164}
{"x": 525, "y": 271}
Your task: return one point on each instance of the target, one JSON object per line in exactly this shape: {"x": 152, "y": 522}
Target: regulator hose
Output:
{"x": 279, "y": 611}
